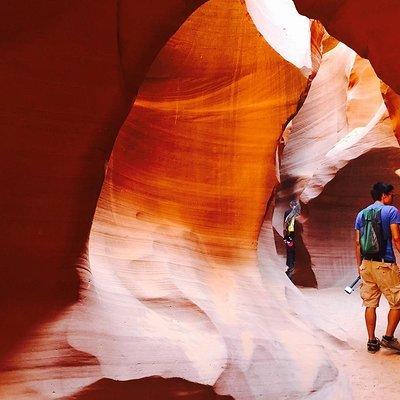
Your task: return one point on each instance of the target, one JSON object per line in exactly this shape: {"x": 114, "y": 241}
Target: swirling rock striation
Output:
{"x": 171, "y": 290}
{"x": 173, "y": 242}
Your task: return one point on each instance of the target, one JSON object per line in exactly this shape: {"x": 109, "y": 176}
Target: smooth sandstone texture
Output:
{"x": 64, "y": 98}
{"x": 319, "y": 125}
{"x": 172, "y": 249}
{"x": 392, "y": 102}
{"x": 340, "y": 130}
{"x": 369, "y": 27}
{"x": 347, "y": 193}
{"x": 173, "y": 288}
{"x": 289, "y": 36}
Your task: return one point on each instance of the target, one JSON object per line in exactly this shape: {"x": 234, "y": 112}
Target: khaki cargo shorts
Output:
{"x": 380, "y": 278}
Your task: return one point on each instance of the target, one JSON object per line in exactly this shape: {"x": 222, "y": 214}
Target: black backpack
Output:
{"x": 372, "y": 241}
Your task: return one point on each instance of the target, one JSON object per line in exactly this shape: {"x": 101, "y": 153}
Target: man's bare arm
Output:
{"x": 358, "y": 250}
{"x": 394, "y": 228}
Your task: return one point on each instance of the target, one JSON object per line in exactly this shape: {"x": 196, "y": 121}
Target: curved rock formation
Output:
{"x": 65, "y": 102}
{"x": 174, "y": 287}
{"x": 173, "y": 242}
{"x": 175, "y": 301}
{"x": 392, "y": 102}
{"x": 332, "y": 250}
{"x": 367, "y": 26}
{"x": 349, "y": 120}
{"x": 320, "y": 123}
{"x": 289, "y": 36}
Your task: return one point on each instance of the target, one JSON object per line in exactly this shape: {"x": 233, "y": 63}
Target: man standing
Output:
{"x": 376, "y": 229}
{"x": 289, "y": 226}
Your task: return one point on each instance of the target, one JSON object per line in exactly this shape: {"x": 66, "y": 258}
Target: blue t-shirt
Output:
{"x": 389, "y": 215}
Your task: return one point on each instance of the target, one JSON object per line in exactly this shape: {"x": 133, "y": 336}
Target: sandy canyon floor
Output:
{"x": 371, "y": 376}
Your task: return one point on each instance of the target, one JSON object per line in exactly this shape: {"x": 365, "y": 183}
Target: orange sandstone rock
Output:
{"x": 64, "y": 98}
{"x": 176, "y": 280}
{"x": 392, "y": 102}
{"x": 367, "y": 26}
{"x": 174, "y": 286}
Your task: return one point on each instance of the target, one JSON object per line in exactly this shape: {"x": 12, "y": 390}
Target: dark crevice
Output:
{"x": 149, "y": 388}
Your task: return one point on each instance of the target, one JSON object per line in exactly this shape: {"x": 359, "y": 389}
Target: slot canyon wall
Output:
{"x": 350, "y": 136}
{"x": 177, "y": 293}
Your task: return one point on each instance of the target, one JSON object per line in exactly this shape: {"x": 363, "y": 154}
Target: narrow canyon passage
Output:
{"x": 132, "y": 261}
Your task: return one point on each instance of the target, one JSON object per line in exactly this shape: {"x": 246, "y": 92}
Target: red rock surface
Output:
{"x": 172, "y": 299}
{"x": 367, "y": 26}
{"x": 63, "y": 101}
{"x": 172, "y": 248}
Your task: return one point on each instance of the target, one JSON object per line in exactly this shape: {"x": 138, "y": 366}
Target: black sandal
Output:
{"x": 373, "y": 345}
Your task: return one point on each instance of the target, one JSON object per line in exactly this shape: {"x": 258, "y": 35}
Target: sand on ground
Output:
{"x": 371, "y": 376}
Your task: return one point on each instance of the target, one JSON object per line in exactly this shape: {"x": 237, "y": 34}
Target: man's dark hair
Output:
{"x": 379, "y": 189}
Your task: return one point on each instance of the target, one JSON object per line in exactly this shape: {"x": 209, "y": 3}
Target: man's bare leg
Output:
{"x": 370, "y": 321}
{"x": 393, "y": 321}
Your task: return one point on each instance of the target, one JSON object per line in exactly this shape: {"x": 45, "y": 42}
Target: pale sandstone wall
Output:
{"x": 342, "y": 121}
{"x": 176, "y": 226}
{"x": 175, "y": 287}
